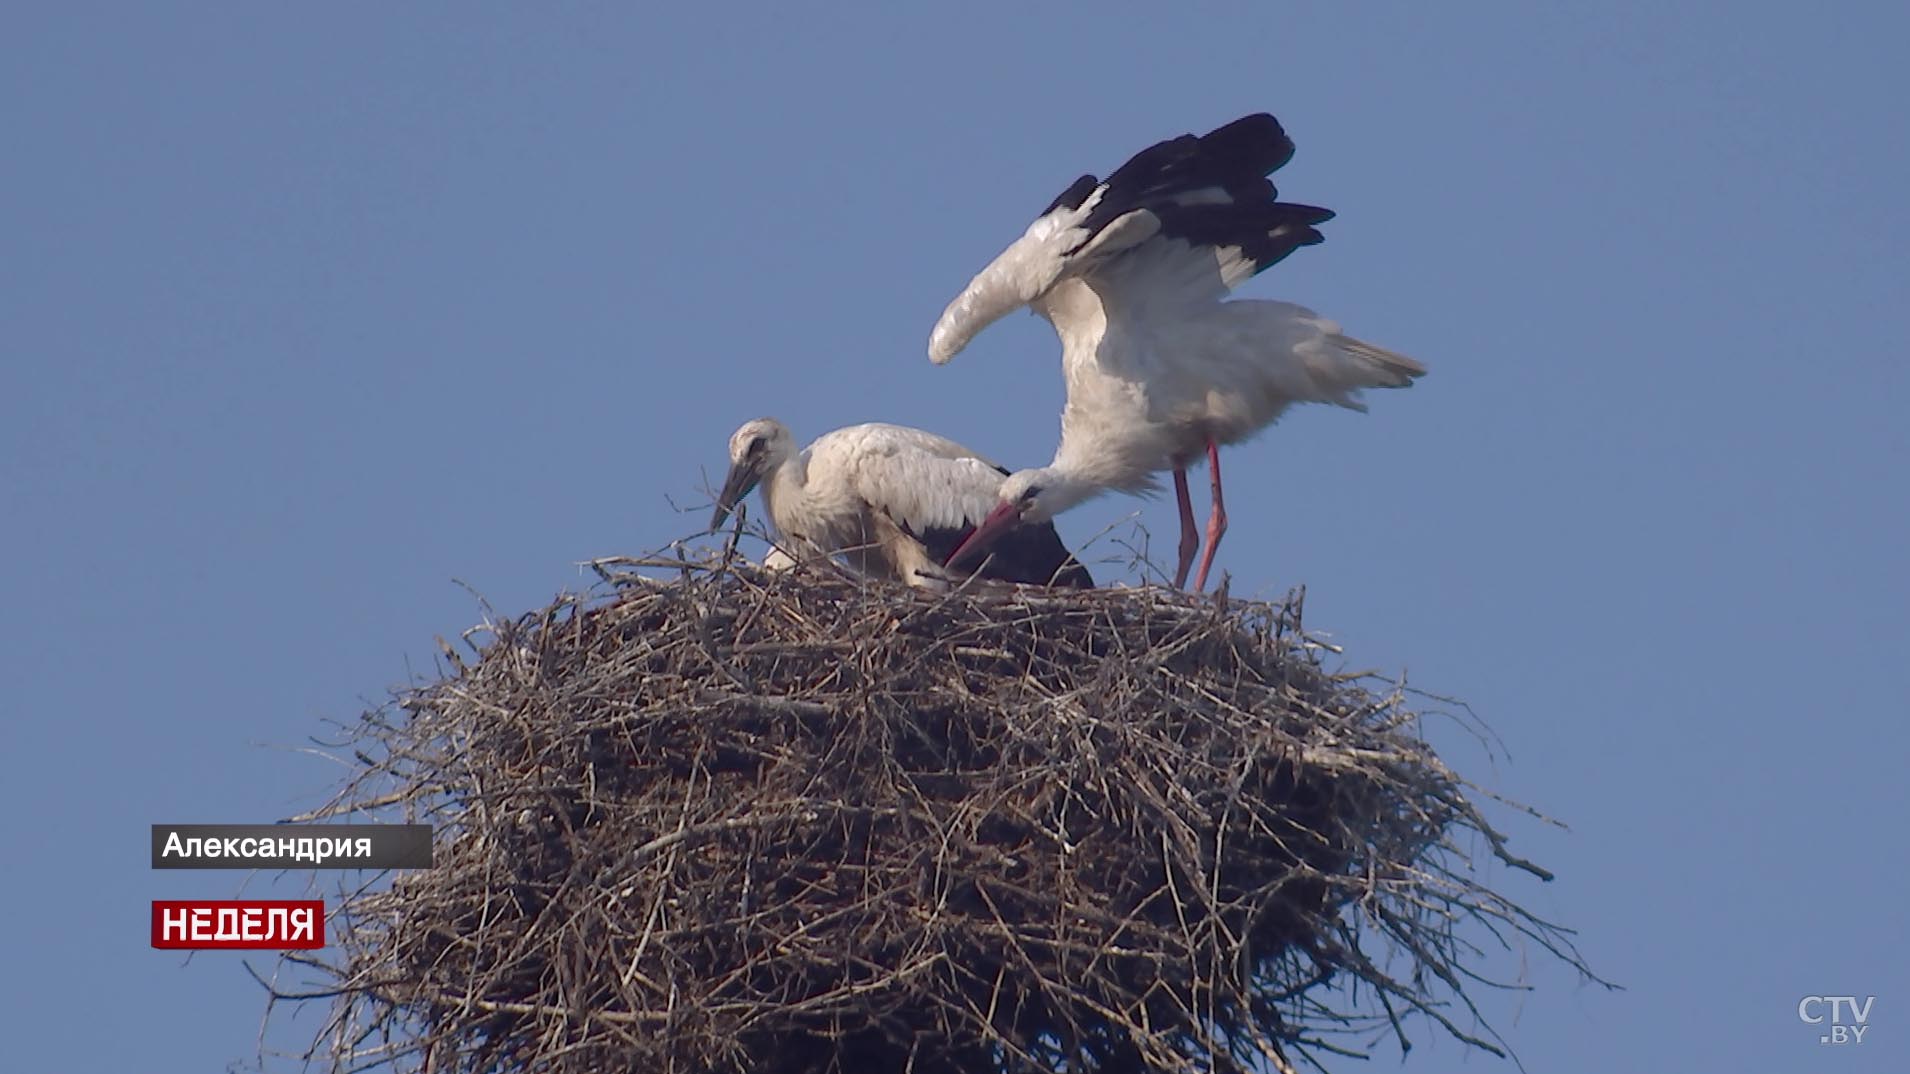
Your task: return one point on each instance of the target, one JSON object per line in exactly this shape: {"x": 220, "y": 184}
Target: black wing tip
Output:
{"x": 1264, "y": 232}
{"x": 1235, "y": 158}
{"x": 1309, "y": 215}
{"x": 1072, "y": 197}
{"x": 1261, "y": 125}
{"x": 1255, "y": 142}
{"x": 1274, "y": 247}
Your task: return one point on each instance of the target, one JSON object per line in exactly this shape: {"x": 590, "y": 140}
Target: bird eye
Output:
{"x": 1029, "y": 496}
{"x": 755, "y": 446}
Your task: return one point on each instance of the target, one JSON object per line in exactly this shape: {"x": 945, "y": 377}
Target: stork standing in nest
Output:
{"x": 1133, "y": 272}
{"x": 892, "y": 501}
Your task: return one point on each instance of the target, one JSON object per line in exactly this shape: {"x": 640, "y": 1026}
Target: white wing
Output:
{"x": 927, "y": 484}
{"x": 1183, "y": 221}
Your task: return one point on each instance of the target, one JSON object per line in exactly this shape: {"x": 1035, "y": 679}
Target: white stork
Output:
{"x": 1133, "y": 272}
{"x": 895, "y": 502}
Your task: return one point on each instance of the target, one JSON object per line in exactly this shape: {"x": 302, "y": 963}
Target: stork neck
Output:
{"x": 784, "y": 488}
{"x": 1099, "y": 463}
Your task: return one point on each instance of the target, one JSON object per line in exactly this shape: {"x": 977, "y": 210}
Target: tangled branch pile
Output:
{"x": 729, "y": 821}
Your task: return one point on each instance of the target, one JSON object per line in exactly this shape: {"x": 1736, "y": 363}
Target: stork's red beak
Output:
{"x": 999, "y": 521}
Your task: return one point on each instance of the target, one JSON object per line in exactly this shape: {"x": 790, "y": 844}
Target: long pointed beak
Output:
{"x": 999, "y": 521}
{"x": 742, "y": 478}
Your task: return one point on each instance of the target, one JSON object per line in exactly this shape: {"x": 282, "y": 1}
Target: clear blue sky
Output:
{"x": 309, "y": 311}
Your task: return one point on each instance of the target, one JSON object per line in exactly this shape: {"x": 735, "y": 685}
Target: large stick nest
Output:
{"x": 730, "y": 821}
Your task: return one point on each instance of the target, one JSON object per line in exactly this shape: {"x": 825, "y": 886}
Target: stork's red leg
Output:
{"x": 1189, "y": 535}
{"x": 1216, "y": 522}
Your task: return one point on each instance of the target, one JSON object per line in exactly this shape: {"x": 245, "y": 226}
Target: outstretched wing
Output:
{"x": 1183, "y": 220}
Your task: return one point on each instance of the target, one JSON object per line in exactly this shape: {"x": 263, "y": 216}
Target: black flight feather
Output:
{"x": 1264, "y": 231}
{"x": 1255, "y": 143}
{"x": 1072, "y": 197}
{"x": 1178, "y": 179}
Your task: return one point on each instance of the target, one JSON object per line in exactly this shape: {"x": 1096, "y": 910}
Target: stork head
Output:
{"x": 755, "y": 449}
{"x": 1025, "y": 497}
{"x": 1028, "y": 494}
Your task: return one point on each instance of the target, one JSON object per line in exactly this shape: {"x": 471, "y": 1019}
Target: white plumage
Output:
{"x": 1133, "y": 272}
{"x": 894, "y": 502}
